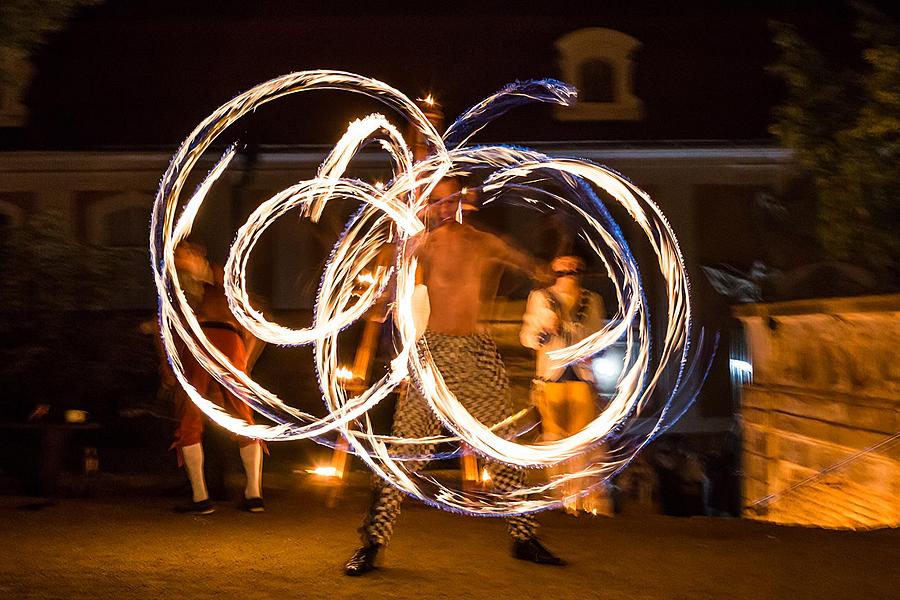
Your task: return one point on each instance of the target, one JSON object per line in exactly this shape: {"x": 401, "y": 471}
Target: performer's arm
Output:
{"x": 382, "y": 306}
{"x": 509, "y": 256}
{"x": 254, "y": 347}
{"x": 535, "y": 325}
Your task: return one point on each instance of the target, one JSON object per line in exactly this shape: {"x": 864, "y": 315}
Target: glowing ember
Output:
{"x": 324, "y": 472}
{"x": 485, "y": 476}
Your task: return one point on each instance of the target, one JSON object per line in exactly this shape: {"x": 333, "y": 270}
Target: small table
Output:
{"x": 55, "y": 437}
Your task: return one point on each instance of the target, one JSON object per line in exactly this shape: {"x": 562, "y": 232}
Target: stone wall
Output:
{"x": 825, "y": 389}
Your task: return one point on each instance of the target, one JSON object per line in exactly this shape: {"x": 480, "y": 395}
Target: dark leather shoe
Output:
{"x": 533, "y": 550}
{"x": 253, "y": 505}
{"x": 362, "y": 561}
{"x": 203, "y": 507}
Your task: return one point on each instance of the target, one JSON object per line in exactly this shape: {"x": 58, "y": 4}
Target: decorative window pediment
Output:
{"x": 599, "y": 63}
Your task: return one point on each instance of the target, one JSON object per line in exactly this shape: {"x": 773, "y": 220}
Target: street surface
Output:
{"x": 136, "y": 547}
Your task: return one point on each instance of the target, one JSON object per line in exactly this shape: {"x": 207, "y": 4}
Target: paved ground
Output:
{"x": 133, "y": 547}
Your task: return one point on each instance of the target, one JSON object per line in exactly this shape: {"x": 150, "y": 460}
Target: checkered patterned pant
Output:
{"x": 474, "y": 372}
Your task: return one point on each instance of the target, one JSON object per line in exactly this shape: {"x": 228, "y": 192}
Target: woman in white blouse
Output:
{"x": 555, "y": 317}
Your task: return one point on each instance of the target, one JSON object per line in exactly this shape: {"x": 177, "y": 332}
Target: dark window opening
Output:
{"x": 127, "y": 228}
{"x": 597, "y": 81}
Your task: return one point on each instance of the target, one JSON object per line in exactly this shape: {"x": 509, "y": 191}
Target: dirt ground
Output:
{"x": 134, "y": 547}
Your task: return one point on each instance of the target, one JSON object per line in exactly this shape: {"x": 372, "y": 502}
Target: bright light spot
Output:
{"x": 379, "y": 185}
{"x": 343, "y": 373}
{"x": 485, "y": 476}
{"x": 324, "y": 472}
{"x": 741, "y": 366}
{"x": 606, "y": 367}
{"x": 366, "y": 278}
{"x": 429, "y": 100}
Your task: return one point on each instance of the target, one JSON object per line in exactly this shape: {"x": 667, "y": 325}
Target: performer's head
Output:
{"x": 450, "y": 199}
{"x": 568, "y": 269}
{"x": 194, "y": 271}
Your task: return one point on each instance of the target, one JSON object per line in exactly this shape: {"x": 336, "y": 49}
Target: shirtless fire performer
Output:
{"x": 460, "y": 266}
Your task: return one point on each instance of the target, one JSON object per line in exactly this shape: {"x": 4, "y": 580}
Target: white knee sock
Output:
{"x": 251, "y": 456}
{"x": 193, "y": 464}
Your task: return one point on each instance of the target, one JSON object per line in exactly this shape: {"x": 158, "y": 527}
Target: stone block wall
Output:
{"x": 825, "y": 389}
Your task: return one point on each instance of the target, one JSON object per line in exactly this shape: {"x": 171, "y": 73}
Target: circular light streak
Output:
{"x": 388, "y": 215}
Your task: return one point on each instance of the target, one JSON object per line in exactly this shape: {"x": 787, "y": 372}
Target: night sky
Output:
{"x": 141, "y": 74}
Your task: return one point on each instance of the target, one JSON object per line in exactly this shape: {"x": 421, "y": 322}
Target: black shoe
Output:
{"x": 362, "y": 561}
{"x": 254, "y": 505}
{"x": 532, "y": 549}
{"x": 203, "y": 507}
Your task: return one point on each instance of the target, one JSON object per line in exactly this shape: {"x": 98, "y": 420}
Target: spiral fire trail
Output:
{"x": 388, "y": 215}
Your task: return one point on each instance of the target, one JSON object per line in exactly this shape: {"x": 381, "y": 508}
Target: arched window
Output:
{"x": 127, "y": 227}
{"x": 599, "y": 63}
{"x": 597, "y": 81}
{"x": 120, "y": 221}
{"x": 11, "y": 215}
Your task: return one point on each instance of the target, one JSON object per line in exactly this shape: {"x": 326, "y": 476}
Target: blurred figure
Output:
{"x": 683, "y": 483}
{"x": 203, "y": 284}
{"x": 459, "y": 267}
{"x": 636, "y": 489}
{"x": 555, "y": 317}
